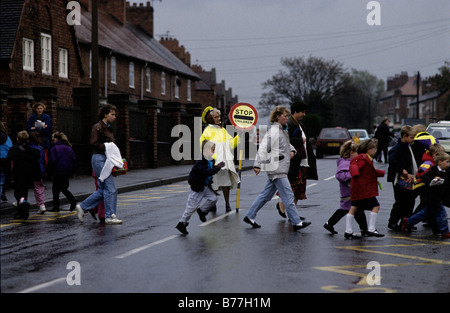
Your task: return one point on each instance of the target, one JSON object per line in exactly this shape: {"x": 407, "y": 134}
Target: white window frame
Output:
{"x": 113, "y": 70}
{"x": 46, "y": 54}
{"x": 148, "y": 75}
{"x": 28, "y": 54}
{"x": 63, "y": 63}
{"x": 189, "y": 91}
{"x": 163, "y": 83}
{"x": 131, "y": 75}
{"x": 177, "y": 88}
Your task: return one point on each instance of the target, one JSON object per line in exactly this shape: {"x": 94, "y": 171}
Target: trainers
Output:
{"x": 42, "y": 209}
{"x": 113, "y": 220}
{"x": 80, "y": 212}
{"x": 182, "y": 228}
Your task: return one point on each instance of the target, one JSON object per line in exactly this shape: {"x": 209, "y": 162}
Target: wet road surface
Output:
{"x": 223, "y": 255}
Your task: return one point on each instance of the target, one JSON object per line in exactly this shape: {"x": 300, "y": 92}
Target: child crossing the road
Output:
{"x": 202, "y": 197}
{"x": 348, "y": 151}
{"x": 364, "y": 188}
{"x": 437, "y": 190}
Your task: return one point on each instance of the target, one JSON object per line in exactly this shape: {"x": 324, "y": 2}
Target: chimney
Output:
{"x": 390, "y": 83}
{"x": 141, "y": 16}
{"x": 116, "y": 8}
{"x": 180, "y": 52}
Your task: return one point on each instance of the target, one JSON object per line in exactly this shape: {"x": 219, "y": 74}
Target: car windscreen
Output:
{"x": 362, "y": 133}
{"x": 333, "y": 134}
{"x": 439, "y": 132}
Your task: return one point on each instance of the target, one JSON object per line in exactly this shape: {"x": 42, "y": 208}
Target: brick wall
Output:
{"x": 48, "y": 18}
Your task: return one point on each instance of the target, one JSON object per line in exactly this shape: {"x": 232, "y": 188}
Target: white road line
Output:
{"x": 134, "y": 251}
{"x": 312, "y": 185}
{"x": 217, "y": 218}
{"x": 330, "y": 178}
{"x": 44, "y": 285}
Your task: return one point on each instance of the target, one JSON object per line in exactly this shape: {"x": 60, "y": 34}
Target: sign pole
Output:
{"x": 239, "y": 185}
{"x": 244, "y": 117}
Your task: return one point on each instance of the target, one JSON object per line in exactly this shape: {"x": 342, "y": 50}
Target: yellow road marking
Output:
{"x": 349, "y": 269}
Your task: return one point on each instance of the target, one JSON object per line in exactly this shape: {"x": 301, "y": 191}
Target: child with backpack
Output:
{"x": 202, "y": 197}
{"x": 25, "y": 170}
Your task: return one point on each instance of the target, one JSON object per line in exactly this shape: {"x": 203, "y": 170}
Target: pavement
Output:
{"x": 135, "y": 179}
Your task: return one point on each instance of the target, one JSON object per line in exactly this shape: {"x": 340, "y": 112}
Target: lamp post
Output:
{"x": 418, "y": 87}
{"x": 94, "y": 67}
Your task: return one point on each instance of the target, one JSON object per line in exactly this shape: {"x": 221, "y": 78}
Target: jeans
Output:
{"x": 106, "y": 191}
{"x": 287, "y": 196}
{"x": 437, "y": 213}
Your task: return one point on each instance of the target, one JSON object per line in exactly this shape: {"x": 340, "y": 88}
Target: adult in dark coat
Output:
{"x": 383, "y": 135}
{"x": 303, "y": 165}
{"x": 41, "y": 123}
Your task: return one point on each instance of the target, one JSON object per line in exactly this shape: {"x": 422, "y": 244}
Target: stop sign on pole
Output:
{"x": 243, "y": 116}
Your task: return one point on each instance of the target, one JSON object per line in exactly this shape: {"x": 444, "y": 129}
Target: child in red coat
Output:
{"x": 364, "y": 188}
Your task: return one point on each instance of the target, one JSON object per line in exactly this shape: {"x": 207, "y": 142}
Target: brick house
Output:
{"x": 399, "y": 101}
{"x": 42, "y": 58}
{"x": 208, "y": 91}
{"x": 394, "y": 102}
{"x": 432, "y": 107}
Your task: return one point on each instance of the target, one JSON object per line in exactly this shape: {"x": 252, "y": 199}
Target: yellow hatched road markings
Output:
{"x": 351, "y": 269}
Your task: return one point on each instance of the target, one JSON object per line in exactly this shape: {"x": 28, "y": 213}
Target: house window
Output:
{"x": 113, "y": 70}
{"x": 131, "y": 71}
{"x": 189, "y": 93}
{"x": 163, "y": 83}
{"x": 148, "y": 86}
{"x": 177, "y": 87}
{"x": 28, "y": 54}
{"x": 63, "y": 67}
{"x": 46, "y": 54}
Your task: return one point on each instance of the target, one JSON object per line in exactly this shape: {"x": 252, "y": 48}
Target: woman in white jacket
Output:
{"x": 274, "y": 154}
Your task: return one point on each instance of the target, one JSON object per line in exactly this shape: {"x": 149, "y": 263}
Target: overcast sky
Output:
{"x": 246, "y": 39}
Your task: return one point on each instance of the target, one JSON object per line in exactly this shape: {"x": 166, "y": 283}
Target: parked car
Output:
{"x": 441, "y": 131}
{"x": 330, "y": 141}
{"x": 363, "y": 135}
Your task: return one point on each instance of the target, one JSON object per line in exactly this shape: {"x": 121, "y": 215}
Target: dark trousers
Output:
{"x": 380, "y": 150}
{"x": 61, "y": 184}
{"x": 360, "y": 218}
{"x": 403, "y": 205}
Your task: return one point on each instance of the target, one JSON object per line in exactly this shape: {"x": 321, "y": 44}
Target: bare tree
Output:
{"x": 313, "y": 80}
